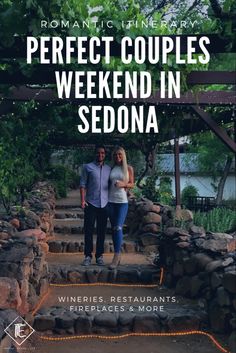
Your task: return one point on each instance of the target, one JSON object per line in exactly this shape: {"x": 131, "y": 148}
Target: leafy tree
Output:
{"x": 214, "y": 158}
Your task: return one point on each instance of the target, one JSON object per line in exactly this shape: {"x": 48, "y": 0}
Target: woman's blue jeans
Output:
{"x": 117, "y": 213}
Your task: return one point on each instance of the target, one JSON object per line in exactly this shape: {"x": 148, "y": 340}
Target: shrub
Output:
{"x": 165, "y": 191}
{"x": 150, "y": 190}
{"x": 217, "y": 220}
{"x": 62, "y": 178}
{"x": 187, "y": 192}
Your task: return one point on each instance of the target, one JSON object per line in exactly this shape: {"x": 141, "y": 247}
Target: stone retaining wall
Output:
{"x": 145, "y": 220}
{"x": 24, "y": 275}
{"x": 203, "y": 265}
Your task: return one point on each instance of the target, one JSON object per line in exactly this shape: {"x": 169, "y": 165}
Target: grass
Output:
{"x": 220, "y": 220}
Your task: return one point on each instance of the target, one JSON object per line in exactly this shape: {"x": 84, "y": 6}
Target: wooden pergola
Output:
{"x": 36, "y": 88}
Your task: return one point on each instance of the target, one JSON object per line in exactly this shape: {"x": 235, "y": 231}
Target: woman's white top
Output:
{"x": 117, "y": 195}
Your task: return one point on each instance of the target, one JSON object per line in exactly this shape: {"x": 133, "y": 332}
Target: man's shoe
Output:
{"x": 87, "y": 261}
{"x": 100, "y": 261}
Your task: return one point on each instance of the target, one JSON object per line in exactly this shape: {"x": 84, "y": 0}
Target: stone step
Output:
{"x": 72, "y": 213}
{"x": 106, "y": 310}
{"x": 134, "y": 268}
{"x": 73, "y": 226}
{"x": 62, "y": 274}
{"x": 75, "y": 243}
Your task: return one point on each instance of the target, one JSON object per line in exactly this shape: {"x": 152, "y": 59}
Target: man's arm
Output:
{"x": 82, "y": 197}
{"x": 83, "y": 183}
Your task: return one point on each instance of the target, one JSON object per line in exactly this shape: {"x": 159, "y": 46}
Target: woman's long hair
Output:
{"x": 124, "y": 161}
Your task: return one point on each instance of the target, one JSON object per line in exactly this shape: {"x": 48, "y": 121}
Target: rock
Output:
{"x": 104, "y": 276}
{"x": 38, "y": 233}
{"x": 216, "y": 246}
{"x": 83, "y": 325}
{"x": 127, "y": 276}
{"x": 196, "y": 286}
{"x": 10, "y": 293}
{"x": 44, "y": 323}
{"x": 149, "y": 239}
{"x": 229, "y": 281}
{"x": 146, "y": 276}
{"x": 178, "y": 269}
{"x": 233, "y": 323}
{"x": 144, "y": 207}
{"x": 201, "y": 260}
{"x": 216, "y": 280}
{"x": 172, "y": 232}
{"x": 106, "y": 319}
{"x": 232, "y": 340}
{"x": 184, "y": 215}
{"x": 55, "y": 246}
{"x": 92, "y": 275}
{"x": 75, "y": 277}
{"x": 231, "y": 246}
{"x": 4, "y": 236}
{"x": 149, "y": 249}
{"x": 199, "y": 231}
{"x": 156, "y": 209}
{"x": 218, "y": 236}
{"x": 44, "y": 247}
{"x": 126, "y": 318}
{"x": 152, "y": 217}
{"x": 184, "y": 319}
{"x": 6, "y": 227}
{"x": 222, "y": 297}
{"x": 219, "y": 318}
{"x": 227, "y": 261}
{"x": 15, "y": 223}
{"x": 183, "y": 286}
{"x": 146, "y": 323}
{"x": 214, "y": 265}
{"x": 129, "y": 247}
{"x": 183, "y": 244}
{"x": 151, "y": 228}
{"x": 66, "y": 321}
{"x": 72, "y": 247}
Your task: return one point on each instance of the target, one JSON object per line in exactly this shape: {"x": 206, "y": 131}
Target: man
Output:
{"x": 94, "y": 198}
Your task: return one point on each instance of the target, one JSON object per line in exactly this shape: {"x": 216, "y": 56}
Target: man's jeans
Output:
{"x": 117, "y": 214}
{"x": 92, "y": 214}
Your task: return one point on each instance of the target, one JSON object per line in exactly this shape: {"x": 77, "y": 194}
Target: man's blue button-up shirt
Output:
{"x": 95, "y": 179}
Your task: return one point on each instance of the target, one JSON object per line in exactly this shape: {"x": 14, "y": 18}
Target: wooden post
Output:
{"x": 177, "y": 174}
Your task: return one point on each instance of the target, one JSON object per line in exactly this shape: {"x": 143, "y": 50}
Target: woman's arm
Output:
{"x": 130, "y": 183}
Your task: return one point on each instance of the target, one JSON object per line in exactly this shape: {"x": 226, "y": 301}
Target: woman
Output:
{"x": 121, "y": 179}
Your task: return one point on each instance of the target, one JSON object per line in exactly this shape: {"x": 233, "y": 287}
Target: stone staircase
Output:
{"x": 97, "y": 300}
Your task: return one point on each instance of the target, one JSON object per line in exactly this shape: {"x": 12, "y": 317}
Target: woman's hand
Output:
{"x": 120, "y": 184}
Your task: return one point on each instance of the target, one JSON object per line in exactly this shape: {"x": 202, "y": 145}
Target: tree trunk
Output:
{"x": 220, "y": 188}
{"x": 150, "y": 157}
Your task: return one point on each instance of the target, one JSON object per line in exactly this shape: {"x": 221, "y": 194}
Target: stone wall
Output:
{"x": 144, "y": 222}
{"x": 24, "y": 275}
{"x": 203, "y": 266}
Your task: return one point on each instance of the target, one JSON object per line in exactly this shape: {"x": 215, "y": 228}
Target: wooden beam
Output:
{"x": 177, "y": 174}
{"x": 215, "y": 128}
{"x": 211, "y": 77}
{"x": 23, "y": 93}
{"x": 47, "y": 76}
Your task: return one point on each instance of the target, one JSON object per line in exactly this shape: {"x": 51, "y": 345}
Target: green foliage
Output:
{"x": 188, "y": 191}
{"x": 62, "y": 178}
{"x": 161, "y": 193}
{"x": 150, "y": 190}
{"x": 217, "y": 220}
{"x": 137, "y": 192}
{"x": 165, "y": 191}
